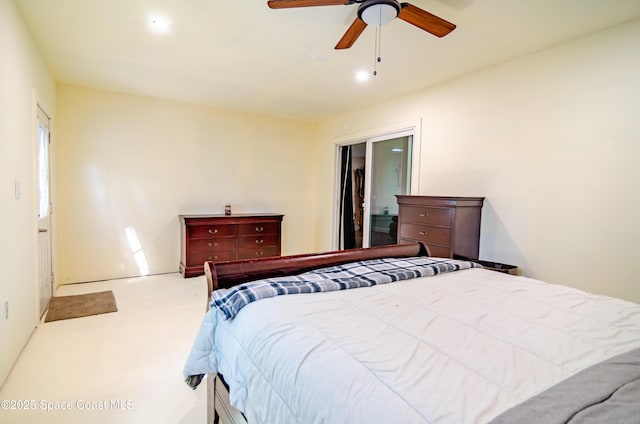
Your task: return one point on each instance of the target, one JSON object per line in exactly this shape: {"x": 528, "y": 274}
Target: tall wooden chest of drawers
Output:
{"x": 222, "y": 238}
{"x": 449, "y": 226}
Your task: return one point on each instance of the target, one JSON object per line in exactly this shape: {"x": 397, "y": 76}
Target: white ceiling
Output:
{"x": 242, "y": 55}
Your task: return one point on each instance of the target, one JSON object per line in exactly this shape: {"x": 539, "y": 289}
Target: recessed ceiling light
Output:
{"x": 160, "y": 24}
{"x": 362, "y": 76}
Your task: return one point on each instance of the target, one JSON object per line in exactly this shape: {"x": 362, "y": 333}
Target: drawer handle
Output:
{"x": 213, "y": 244}
{"x": 259, "y": 229}
{"x": 259, "y": 241}
{"x": 424, "y": 215}
{"x": 213, "y": 258}
{"x": 259, "y": 253}
{"x": 424, "y": 233}
{"x": 213, "y": 231}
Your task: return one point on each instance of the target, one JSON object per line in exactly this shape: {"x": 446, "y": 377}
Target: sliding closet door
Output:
{"x": 390, "y": 175}
{"x": 371, "y": 172}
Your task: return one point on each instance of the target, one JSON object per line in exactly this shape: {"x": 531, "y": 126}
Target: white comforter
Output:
{"x": 460, "y": 347}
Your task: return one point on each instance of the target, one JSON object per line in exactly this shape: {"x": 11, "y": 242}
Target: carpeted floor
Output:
{"x": 67, "y": 307}
{"x": 132, "y": 357}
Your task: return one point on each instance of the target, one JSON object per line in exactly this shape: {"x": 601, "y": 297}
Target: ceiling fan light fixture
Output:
{"x": 378, "y": 12}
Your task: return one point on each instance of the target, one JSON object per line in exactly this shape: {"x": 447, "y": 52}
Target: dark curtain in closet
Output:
{"x": 347, "y": 228}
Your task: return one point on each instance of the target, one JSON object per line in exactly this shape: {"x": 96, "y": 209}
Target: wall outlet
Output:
{"x": 5, "y": 310}
{"x": 18, "y": 189}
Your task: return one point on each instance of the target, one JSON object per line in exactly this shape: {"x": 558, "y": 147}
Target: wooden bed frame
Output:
{"x": 228, "y": 274}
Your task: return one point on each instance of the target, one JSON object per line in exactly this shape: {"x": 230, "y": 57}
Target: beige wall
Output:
{"x": 128, "y": 161}
{"x": 21, "y": 72}
{"x": 552, "y": 142}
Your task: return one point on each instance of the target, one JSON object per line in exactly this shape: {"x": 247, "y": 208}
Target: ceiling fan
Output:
{"x": 375, "y": 12}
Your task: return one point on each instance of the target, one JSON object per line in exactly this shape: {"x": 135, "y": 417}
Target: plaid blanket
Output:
{"x": 340, "y": 277}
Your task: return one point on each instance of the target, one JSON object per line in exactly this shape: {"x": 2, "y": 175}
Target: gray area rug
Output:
{"x": 83, "y": 305}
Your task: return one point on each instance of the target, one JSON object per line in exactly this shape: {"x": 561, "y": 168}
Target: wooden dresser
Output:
{"x": 450, "y": 226}
{"x": 222, "y": 238}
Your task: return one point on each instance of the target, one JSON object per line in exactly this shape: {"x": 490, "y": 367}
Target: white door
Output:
{"x": 44, "y": 211}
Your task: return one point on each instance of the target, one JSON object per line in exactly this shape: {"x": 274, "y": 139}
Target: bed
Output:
{"x": 390, "y": 334}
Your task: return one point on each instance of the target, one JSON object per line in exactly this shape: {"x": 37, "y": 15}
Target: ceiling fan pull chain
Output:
{"x": 378, "y": 59}
{"x": 375, "y": 53}
{"x": 378, "y": 41}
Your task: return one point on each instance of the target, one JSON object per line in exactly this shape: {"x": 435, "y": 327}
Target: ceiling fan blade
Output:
{"x": 285, "y": 4}
{"x": 352, "y": 34}
{"x": 425, "y": 20}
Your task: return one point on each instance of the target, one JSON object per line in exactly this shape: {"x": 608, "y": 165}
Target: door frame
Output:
{"x": 413, "y": 128}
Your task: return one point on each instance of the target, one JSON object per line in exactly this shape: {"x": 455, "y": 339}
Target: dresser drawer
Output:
{"x": 259, "y": 228}
{"x": 213, "y": 230}
{"x": 199, "y": 258}
{"x": 212, "y": 244}
{"x": 261, "y": 252}
{"x": 426, "y": 233}
{"x": 426, "y": 215}
{"x": 253, "y": 242}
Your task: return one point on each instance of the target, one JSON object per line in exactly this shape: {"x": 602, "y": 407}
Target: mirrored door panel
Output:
{"x": 390, "y": 175}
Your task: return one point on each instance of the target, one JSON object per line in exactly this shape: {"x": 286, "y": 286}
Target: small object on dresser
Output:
{"x": 227, "y": 209}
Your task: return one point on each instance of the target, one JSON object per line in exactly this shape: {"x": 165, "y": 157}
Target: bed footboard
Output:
{"x": 220, "y": 410}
